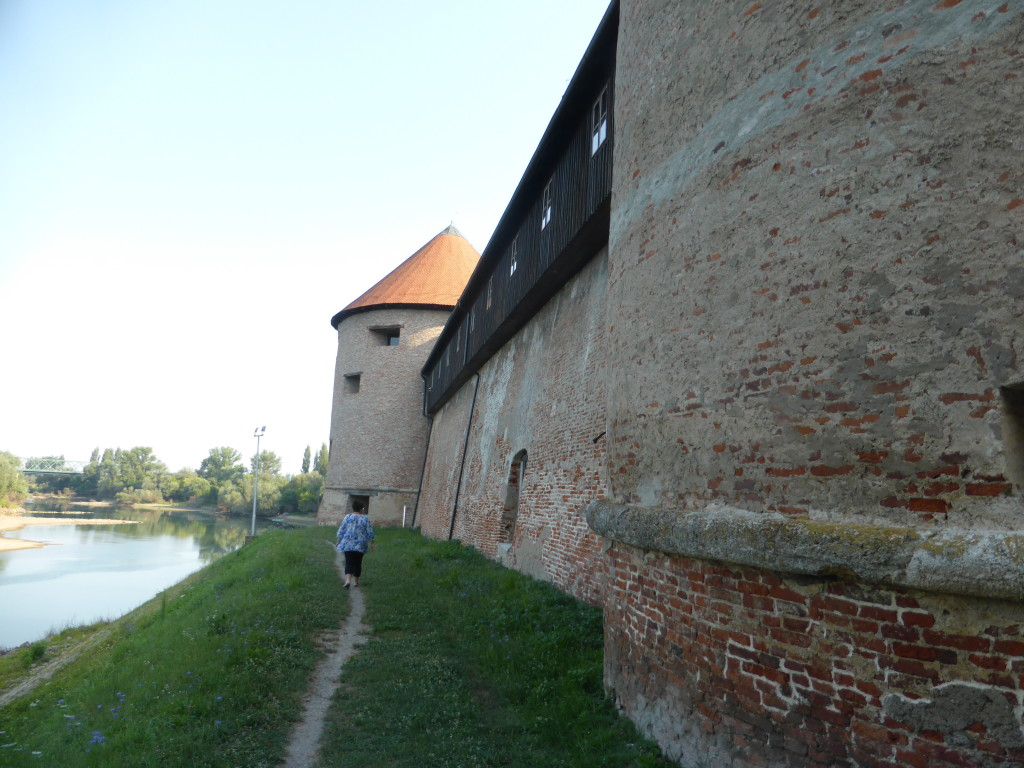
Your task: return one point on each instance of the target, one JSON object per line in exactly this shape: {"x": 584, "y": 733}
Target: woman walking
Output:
{"x": 355, "y": 536}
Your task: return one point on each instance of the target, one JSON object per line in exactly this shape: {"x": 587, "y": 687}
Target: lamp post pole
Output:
{"x": 260, "y": 431}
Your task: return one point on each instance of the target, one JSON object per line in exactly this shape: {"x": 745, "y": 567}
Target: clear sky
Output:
{"x": 189, "y": 190}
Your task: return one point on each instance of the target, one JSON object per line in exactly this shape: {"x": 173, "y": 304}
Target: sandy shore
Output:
{"x": 14, "y": 522}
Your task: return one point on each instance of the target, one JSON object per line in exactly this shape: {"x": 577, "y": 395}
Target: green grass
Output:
{"x": 15, "y": 664}
{"x": 210, "y": 673}
{"x": 470, "y": 664}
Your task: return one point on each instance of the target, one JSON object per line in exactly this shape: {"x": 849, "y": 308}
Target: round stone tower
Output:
{"x": 378, "y": 430}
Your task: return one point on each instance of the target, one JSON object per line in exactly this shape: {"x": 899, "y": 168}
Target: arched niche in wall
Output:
{"x": 516, "y": 473}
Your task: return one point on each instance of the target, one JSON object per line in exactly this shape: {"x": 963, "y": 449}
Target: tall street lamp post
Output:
{"x": 260, "y": 431}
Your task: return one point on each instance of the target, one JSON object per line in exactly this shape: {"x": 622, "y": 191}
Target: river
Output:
{"x": 90, "y": 573}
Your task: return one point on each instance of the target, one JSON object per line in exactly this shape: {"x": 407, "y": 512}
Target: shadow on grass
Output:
{"x": 471, "y": 664}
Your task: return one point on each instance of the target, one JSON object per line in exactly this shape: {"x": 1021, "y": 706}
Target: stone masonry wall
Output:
{"x": 814, "y": 312}
{"x": 444, "y": 460}
{"x": 542, "y": 392}
{"x": 816, "y": 267}
{"x": 378, "y": 434}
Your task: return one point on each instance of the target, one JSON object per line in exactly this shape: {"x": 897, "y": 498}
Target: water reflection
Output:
{"x": 94, "y": 572}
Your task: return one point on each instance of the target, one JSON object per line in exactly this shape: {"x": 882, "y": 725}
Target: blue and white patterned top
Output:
{"x": 355, "y": 533}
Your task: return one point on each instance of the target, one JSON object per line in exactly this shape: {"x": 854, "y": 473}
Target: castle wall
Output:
{"x": 541, "y": 393}
{"x": 814, "y": 311}
{"x": 444, "y": 464}
{"x": 378, "y": 434}
{"x": 816, "y": 263}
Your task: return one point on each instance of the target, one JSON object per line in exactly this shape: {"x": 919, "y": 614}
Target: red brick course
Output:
{"x": 805, "y": 666}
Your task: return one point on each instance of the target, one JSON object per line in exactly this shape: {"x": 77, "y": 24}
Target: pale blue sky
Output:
{"x": 189, "y": 190}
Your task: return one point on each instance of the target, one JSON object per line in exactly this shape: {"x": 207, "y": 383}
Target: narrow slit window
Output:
{"x": 545, "y": 207}
{"x": 1013, "y": 432}
{"x": 352, "y": 382}
{"x": 514, "y": 259}
{"x": 490, "y": 292}
{"x": 599, "y": 122}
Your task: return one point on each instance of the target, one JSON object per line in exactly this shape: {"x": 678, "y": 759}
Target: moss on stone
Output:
{"x": 1015, "y": 548}
{"x": 860, "y": 535}
{"x": 950, "y": 548}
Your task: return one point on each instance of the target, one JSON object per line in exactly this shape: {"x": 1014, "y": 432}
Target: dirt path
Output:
{"x": 305, "y": 739}
{"x": 46, "y": 670}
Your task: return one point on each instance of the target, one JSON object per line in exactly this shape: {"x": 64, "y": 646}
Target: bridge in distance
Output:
{"x": 51, "y": 465}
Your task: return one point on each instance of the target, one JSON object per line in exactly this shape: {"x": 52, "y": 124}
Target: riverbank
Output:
{"x": 77, "y": 501}
{"x": 15, "y": 518}
{"x": 209, "y": 673}
{"x": 16, "y": 522}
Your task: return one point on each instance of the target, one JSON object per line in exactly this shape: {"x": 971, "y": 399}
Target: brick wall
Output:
{"x": 530, "y": 397}
{"x": 748, "y": 667}
{"x": 443, "y": 464}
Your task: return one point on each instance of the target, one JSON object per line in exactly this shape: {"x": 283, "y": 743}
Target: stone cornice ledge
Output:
{"x": 986, "y": 564}
{"x": 364, "y": 491}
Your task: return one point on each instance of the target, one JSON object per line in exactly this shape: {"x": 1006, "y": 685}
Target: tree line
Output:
{"x": 136, "y": 475}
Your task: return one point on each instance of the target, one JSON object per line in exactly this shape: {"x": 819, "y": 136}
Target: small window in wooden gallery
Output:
{"x": 599, "y": 122}
{"x": 352, "y": 383}
{"x": 545, "y": 207}
{"x": 514, "y": 257}
{"x": 490, "y": 292}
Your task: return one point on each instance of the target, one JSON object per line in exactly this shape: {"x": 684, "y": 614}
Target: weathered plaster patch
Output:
{"x": 827, "y": 74}
{"x": 954, "y": 707}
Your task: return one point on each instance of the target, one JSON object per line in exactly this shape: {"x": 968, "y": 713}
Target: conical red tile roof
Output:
{"x": 433, "y": 277}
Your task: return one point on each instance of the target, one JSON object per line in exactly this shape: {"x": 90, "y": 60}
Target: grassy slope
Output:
{"x": 209, "y": 674}
{"x": 470, "y": 664}
{"x": 20, "y": 663}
